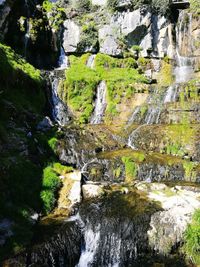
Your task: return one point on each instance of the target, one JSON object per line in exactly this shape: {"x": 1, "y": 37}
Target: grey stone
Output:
{"x": 71, "y": 36}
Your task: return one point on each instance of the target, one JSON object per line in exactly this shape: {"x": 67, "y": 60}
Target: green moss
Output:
{"x": 192, "y": 239}
{"x": 130, "y": 168}
{"x": 165, "y": 77}
{"x": 174, "y": 149}
{"x": 53, "y": 143}
{"x": 11, "y": 61}
{"x": 81, "y": 83}
{"x": 143, "y": 110}
{"x": 195, "y": 6}
{"x": 190, "y": 170}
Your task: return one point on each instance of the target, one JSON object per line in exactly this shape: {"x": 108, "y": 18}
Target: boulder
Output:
{"x": 71, "y": 36}
{"x": 108, "y": 39}
{"x": 45, "y": 124}
{"x": 92, "y": 190}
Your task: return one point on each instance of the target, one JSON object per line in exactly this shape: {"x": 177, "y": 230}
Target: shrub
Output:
{"x": 53, "y": 143}
{"x": 83, "y": 5}
{"x": 50, "y": 179}
{"x": 192, "y": 239}
{"x": 130, "y": 168}
{"x": 48, "y": 199}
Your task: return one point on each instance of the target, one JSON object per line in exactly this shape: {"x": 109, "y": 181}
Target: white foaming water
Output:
{"x": 91, "y": 238}
{"x": 134, "y": 115}
{"x": 171, "y": 94}
{"x": 184, "y": 70}
{"x": 132, "y": 136}
{"x": 100, "y": 104}
{"x": 59, "y": 110}
{"x": 26, "y": 37}
{"x": 63, "y": 60}
{"x": 91, "y": 61}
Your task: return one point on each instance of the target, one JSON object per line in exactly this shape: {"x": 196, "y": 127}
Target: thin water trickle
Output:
{"x": 183, "y": 72}
{"x": 91, "y": 61}
{"x": 59, "y": 110}
{"x": 100, "y": 104}
{"x": 63, "y": 60}
{"x": 26, "y": 37}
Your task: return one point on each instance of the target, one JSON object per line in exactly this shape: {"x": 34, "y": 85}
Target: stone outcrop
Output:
{"x": 153, "y": 33}
{"x": 71, "y": 36}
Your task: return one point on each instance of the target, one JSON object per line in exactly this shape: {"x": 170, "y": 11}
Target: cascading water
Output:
{"x": 183, "y": 72}
{"x": 63, "y": 60}
{"x": 26, "y": 37}
{"x": 91, "y": 239}
{"x": 100, "y": 104}
{"x": 60, "y": 111}
{"x": 91, "y": 61}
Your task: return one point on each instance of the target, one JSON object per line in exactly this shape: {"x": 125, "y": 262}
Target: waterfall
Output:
{"x": 183, "y": 72}
{"x": 100, "y": 104}
{"x": 59, "y": 109}
{"x": 26, "y": 37}
{"x": 134, "y": 115}
{"x": 91, "y": 61}
{"x": 171, "y": 94}
{"x": 63, "y": 60}
{"x": 91, "y": 239}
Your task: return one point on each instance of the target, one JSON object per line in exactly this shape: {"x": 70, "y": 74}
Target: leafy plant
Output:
{"x": 192, "y": 239}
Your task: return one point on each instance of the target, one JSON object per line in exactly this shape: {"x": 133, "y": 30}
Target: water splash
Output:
{"x": 26, "y": 37}
{"x": 100, "y": 104}
{"x": 59, "y": 109}
{"x": 91, "y": 239}
{"x": 171, "y": 94}
{"x": 91, "y": 61}
{"x": 63, "y": 60}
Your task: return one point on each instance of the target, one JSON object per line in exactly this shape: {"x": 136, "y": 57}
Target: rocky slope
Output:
{"x": 122, "y": 91}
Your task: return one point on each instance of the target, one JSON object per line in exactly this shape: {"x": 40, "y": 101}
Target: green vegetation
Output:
{"x": 130, "y": 168}
{"x": 89, "y": 36}
{"x": 51, "y": 183}
{"x": 13, "y": 63}
{"x": 56, "y": 14}
{"x": 165, "y": 76}
{"x": 195, "y": 6}
{"x": 159, "y": 6}
{"x": 174, "y": 149}
{"x": 190, "y": 170}
{"x": 81, "y": 83}
{"x": 192, "y": 239}
{"x": 29, "y": 172}
{"x": 83, "y": 5}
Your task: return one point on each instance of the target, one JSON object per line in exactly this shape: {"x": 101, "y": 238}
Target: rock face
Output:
{"x": 71, "y": 36}
{"x": 91, "y": 191}
{"x": 140, "y": 27}
{"x": 109, "y": 41}
{"x": 142, "y": 226}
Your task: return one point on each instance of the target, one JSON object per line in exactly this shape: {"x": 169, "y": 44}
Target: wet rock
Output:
{"x": 92, "y": 191}
{"x": 169, "y": 225}
{"x": 5, "y": 230}
{"x": 45, "y": 124}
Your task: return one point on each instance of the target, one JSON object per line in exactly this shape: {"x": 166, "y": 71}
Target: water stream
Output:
{"x": 60, "y": 111}
{"x": 100, "y": 104}
{"x": 183, "y": 72}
